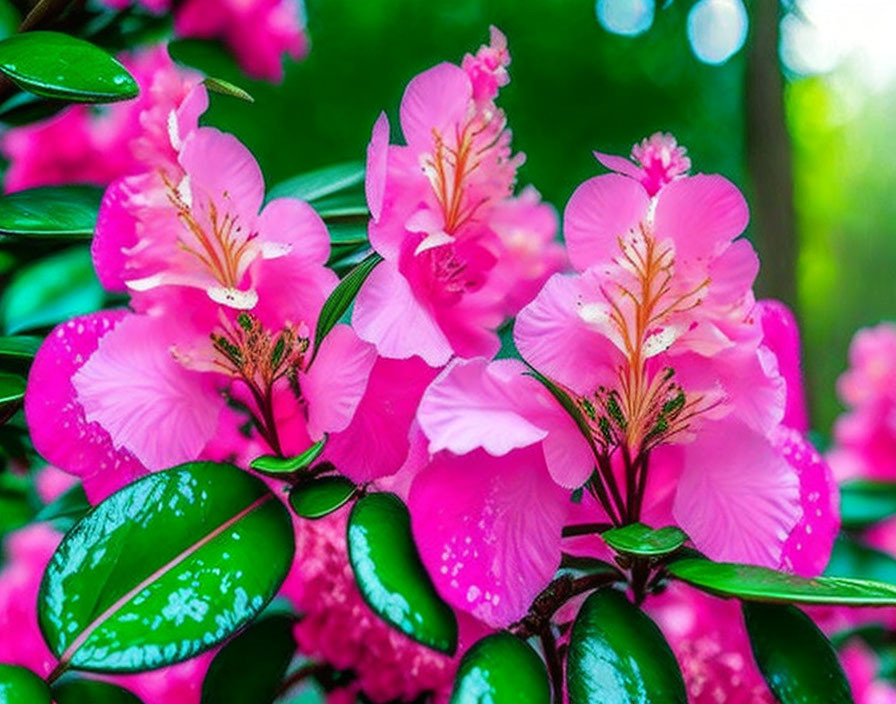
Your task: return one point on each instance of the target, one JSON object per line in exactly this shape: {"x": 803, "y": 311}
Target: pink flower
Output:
{"x": 27, "y": 553}
{"x": 82, "y": 145}
{"x": 658, "y": 160}
{"x": 861, "y": 667}
{"x": 459, "y": 251}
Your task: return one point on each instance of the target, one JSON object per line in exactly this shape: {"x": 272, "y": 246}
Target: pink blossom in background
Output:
{"x": 460, "y": 252}
{"x": 861, "y": 667}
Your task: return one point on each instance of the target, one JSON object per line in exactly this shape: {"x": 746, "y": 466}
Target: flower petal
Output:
{"x": 489, "y": 530}
{"x": 296, "y": 228}
{"x": 600, "y": 211}
{"x": 780, "y": 333}
{"x": 377, "y": 162}
{"x": 434, "y": 100}
{"x": 619, "y": 164}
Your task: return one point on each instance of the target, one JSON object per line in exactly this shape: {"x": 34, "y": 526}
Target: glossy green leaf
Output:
{"x": 56, "y": 65}
{"x": 19, "y": 346}
{"x": 320, "y": 497}
{"x": 219, "y": 85}
{"x": 250, "y": 668}
{"x": 342, "y": 297}
{"x": 60, "y": 212}
{"x": 391, "y": 576}
{"x": 347, "y": 235}
{"x": 864, "y": 502}
{"x": 71, "y": 505}
{"x": 24, "y": 108}
{"x": 850, "y": 558}
{"x": 164, "y": 569}
{"x": 763, "y": 584}
{"x": 272, "y": 464}
{"x": 797, "y": 660}
{"x": 617, "y": 655}
{"x": 342, "y": 205}
{"x": 501, "y": 669}
{"x": 12, "y": 388}
{"x": 84, "y": 691}
{"x": 638, "y": 539}
{"x": 323, "y": 182}
{"x": 51, "y": 290}
{"x": 19, "y": 685}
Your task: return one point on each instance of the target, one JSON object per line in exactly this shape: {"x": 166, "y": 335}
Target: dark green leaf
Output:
{"x": 51, "y": 290}
{"x": 583, "y": 564}
{"x": 72, "y": 505}
{"x": 798, "y": 662}
{"x": 271, "y": 464}
{"x": 250, "y": 668}
{"x": 19, "y": 685}
{"x": 16, "y": 508}
{"x": 323, "y": 182}
{"x": 20, "y": 346}
{"x": 319, "y": 497}
{"x": 501, "y": 669}
{"x": 84, "y": 691}
{"x": 762, "y": 584}
{"x": 10, "y": 18}
{"x": 56, "y": 65}
{"x": 391, "y": 576}
{"x": 617, "y": 655}
{"x": 342, "y": 205}
{"x": 863, "y": 502}
{"x": 25, "y": 108}
{"x": 638, "y": 539}
{"x": 850, "y": 558}
{"x": 348, "y": 235}
{"x": 219, "y": 85}
{"x": 342, "y": 298}
{"x": 12, "y": 388}
{"x": 164, "y": 569}
{"x": 60, "y": 212}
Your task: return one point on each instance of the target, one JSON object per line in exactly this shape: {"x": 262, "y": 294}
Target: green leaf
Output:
{"x": 219, "y": 85}
{"x": 72, "y": 505}
{"x": 165, "y": 569}
{"x": 59, "y": 212}
{"x": 638, "y": 539}
{"x": 501, "y": 669}
{"x": 25, "y": 108}
{"x": 850, "y": 558}
{"x": 84, "y": 691}
{"x": 342, "y": 205}
{"x": 20, "y": 346}
{"x": 864, "y": 502}
{"x": 342, "y": 297}
{"x": 762, "y": 584}
{"x": 19, "y": 685}
{"x": 12, "y": 388}
{"x": 320, "y": 497}
{"x": 617, "y": 655}
{"x": 798, "y": 662}
{"x": 250, "y": 668}
{"x": 51, "y": 290}
{"x": 10, "y": 18}
{"x": 314, "y": 185}
{"x": 391, "y": 576}
{"x": 56, "y": 65}
{"x": 272, "y": 464}
{"x": 347, "y": 236}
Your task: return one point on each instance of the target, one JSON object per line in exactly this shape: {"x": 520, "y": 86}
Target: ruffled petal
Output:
{"x": 436, "y": 99}
{"x": 489, "y": 530}
{"x": 600, "y": 211}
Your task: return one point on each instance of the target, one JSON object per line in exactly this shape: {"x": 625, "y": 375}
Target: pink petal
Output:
{"x": 336, "y": 381}
{"x": 809, "y": 544}
{"x": 600, "y": 211}
{"x": 780, "y": 333}
{"x": 187, "y": 114}
{"x": 59, "y": 429}
{"x": 701, "y": 214}
{"x": 566, "y": 452}
{"x": 732, "y": 275}
{"x": 738, "y": 498}
{"x": 552, "y": 334}
{"x": 434, "y": 100}
{"x": 375, "y": 444}
{"x": 116, "y": 230}
{"x": 292, "y": 290}
{"x": 388, "y": 314}
{"x": 291, "y": 226}
{"x": 377, "y": 161}
{"x": 619, "y": 164}
{"x": 477, "y": 404}
{"x": 147, "y": 401}
{"x": 488, "y": 530}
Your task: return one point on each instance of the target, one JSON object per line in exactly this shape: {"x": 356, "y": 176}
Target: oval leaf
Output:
{"x": 219, "y": 85}
{"x": 638, "y": 539}
{"x": 19, "y": 685}
{"x": 57, "y": 65}
{"x": 323, "y": 182}
{"x": 164, "y": 569}
{"x": 250, "y": 668}
{"x": 272, "y": 464}
{"x": 342, "y": 205}
{"x": 338, "y": 302}
{"x": 320, "y": 497}
{"x": 81, "y": 691}
{"x": 864, "y": 502}
{"x": 501, "y": 669}
{"x": 19, "y": 346}
{"x": 798, "y": 662}
{"x": 762, "y": 584}
{"x": 61, "y": 212}
{"x": 12, "y": 388}
{"x": 391, "y": 576}
{"x": 617, "y": 655}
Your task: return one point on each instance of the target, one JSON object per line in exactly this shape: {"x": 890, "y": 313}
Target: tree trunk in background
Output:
{"x": 769, "y": 157}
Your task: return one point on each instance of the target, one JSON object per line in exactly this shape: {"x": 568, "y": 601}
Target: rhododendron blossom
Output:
{"x": 460, "y": 251}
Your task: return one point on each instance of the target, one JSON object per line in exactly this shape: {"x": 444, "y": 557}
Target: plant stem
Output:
{"x": 555, "y": 595}
{"x": 60, "y": 669}
{"x": 585, "y": 529}
{"x": 555, "y": 666}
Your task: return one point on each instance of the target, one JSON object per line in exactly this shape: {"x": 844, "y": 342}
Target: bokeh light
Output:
{"x": 627, "y": 17}
{"x": 717, "y": 29}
